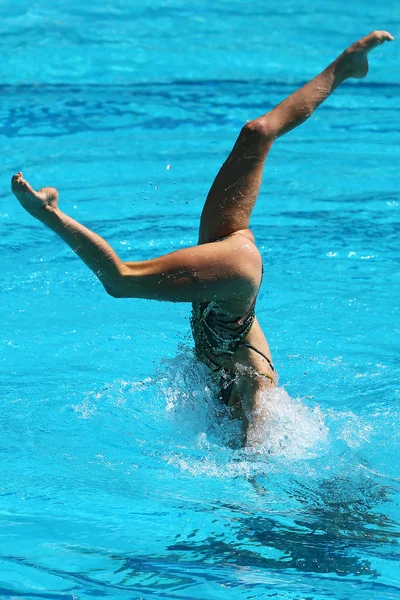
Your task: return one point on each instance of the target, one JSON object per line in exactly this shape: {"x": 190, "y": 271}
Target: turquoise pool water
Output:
{"x": 118, "y": 475}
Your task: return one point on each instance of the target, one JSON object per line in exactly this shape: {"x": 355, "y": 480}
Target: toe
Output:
{"x": 381, "y": 36}
{"x": 16, "y": 178}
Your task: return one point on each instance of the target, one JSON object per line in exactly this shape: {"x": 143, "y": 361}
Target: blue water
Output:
{"x": 119, "y": 472}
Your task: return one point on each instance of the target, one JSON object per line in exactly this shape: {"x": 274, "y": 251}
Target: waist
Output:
{"x": 216, "y": 337}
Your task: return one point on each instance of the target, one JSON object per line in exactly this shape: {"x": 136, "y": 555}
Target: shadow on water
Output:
{"x": 331, "y": 537}
{"x": 328, "y": 538}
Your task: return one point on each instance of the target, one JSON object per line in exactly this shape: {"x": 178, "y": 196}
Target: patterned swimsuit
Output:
{"x": 217, "y": 340}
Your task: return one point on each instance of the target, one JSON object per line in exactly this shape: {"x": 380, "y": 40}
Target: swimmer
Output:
{"x": 221, "y": 276}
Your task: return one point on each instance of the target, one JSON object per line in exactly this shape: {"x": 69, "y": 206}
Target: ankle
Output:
{"x": 343, "y": 67}
{"x": 47, "y": 214}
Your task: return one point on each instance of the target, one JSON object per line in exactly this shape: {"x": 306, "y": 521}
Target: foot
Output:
{"x": 356, "y": 54}
{"x": 36, "y": 203}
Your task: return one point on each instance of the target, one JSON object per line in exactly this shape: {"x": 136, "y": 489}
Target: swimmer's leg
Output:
{"x": 225, "y": 271}
{"x": 233, "y": 194}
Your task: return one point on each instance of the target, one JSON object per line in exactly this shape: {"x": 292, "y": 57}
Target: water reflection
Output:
{"x": 332, "y": 532}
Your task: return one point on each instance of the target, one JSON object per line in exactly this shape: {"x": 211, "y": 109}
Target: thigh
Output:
{"x": 233, "y": 194}
{"x": 228, "y": 272}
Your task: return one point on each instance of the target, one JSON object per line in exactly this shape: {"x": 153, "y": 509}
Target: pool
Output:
{"x": 119, "y": 475}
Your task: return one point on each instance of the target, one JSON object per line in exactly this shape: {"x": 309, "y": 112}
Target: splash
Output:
{"x": 290, "y": 429}
{"x": 174, "y": 420}
{"x": 293, "y": 430}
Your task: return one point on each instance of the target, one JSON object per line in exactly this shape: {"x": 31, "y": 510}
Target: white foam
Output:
{"x": 291, "y": 429}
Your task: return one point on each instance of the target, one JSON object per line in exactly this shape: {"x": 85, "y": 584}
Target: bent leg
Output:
{"x": 227, "y": 271}
{"x": 232, "y": 197}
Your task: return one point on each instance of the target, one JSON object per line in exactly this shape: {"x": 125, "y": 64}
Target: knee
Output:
{"x": 113, "y": 290}
{"x": 259, "y": 129}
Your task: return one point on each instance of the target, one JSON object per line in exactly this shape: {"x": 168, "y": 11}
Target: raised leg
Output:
{"x": 227, "y": 271}
{"x": 232, "y": 197}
